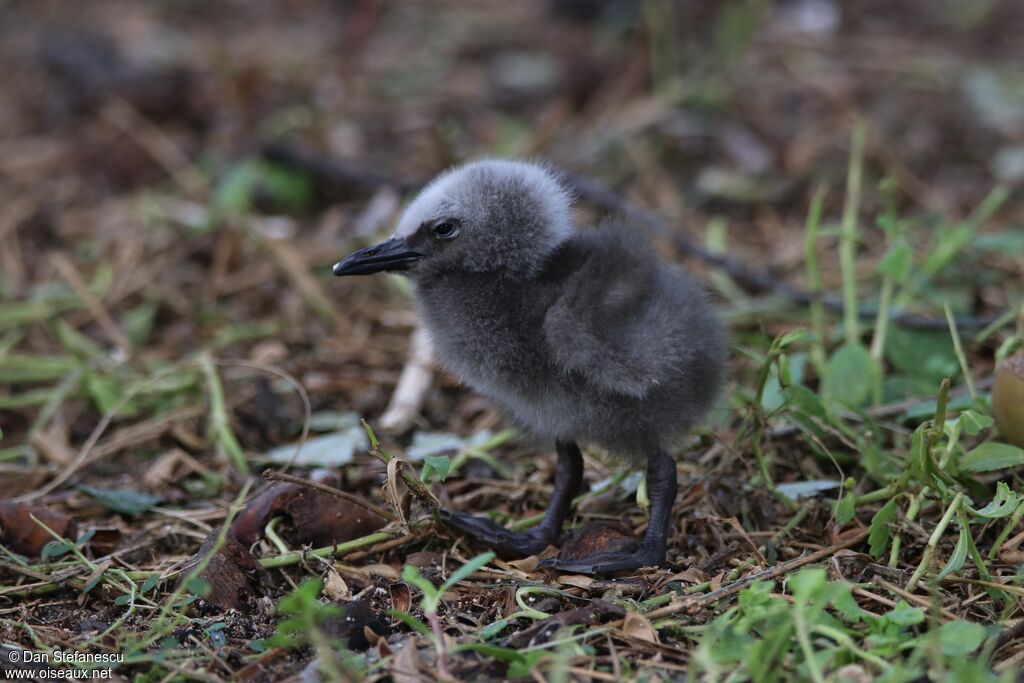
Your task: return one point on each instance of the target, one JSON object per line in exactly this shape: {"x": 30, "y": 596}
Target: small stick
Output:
{"x": 910, "y": 597}
{"x": 99, "y": 312}
{"x": 933, "y": 542}
{"x": 413, "y": 384}
{"x": 768, "y": 574}
{"x": 274, "y": 475}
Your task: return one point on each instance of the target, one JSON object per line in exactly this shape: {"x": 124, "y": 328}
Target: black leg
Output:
{"x": 651, "y": 550}
{"x": 568, "y": 480}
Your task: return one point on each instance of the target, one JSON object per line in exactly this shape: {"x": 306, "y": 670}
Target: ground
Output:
{"x": 177, "y": 178}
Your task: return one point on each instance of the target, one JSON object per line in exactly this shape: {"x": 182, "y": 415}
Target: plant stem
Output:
{"x": 295, "y": 556}
{"x": 959, "y": 348}
{"x": 848, "y": 234}
{"x": 804, "y": 639}
{"x": 933, "y": 542}
{"x": 814, "y": 279}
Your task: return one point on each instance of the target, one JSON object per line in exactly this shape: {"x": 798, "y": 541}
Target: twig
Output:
{"x": 766, "y": 575}
{"x": 933, "y": 542}
{"x": 399, "y": 467}
{"x": 274, "y": 475}
{"x": 910, "y": 597}
{"x": 296, "y": 556}
{"x": 96, "y": 308}
{"x": 413, "y": 384}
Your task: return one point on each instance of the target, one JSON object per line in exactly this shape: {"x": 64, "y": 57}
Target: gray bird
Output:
{"x": 580, "y": 335}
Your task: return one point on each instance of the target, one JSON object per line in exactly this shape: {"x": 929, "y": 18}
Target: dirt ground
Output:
{"x": 176, "y": 179}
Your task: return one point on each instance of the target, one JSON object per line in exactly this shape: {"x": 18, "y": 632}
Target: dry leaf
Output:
{"x": 335, "y": 588}
{"x": 636, "y": 625}
{"x": 405, "y": 667}
{"x": 691, "y": 575}
{"x": 527, "y": 564}
{"x": 578, "y": 580}
{"x": 401, "y": 597}
{"x": 383, "y": 570}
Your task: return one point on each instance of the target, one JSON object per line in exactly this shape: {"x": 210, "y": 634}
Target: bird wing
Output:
{"x": 596, "y": 326}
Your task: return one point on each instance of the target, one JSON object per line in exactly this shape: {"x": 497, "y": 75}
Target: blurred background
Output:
{"x": 178, "y": 176}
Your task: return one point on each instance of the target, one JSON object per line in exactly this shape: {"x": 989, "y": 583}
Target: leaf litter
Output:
{"x": 845, "y": 514}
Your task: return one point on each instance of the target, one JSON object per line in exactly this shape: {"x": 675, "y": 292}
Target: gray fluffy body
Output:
{"x": 579, "y": 334}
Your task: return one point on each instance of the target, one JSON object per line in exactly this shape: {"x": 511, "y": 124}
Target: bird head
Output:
{"x": 492, "y": 216}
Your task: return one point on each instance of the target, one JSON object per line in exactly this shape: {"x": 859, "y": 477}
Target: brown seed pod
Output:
{"x": 1008, "y": 400}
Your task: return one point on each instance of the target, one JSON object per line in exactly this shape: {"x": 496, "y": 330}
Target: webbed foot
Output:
{"x": 607, "y": 562}
{"x": 506, "y": 543}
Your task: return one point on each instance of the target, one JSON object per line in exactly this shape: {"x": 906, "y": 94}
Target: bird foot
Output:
{"x": 642, "y": 555}
{"x": 506, "y": 543}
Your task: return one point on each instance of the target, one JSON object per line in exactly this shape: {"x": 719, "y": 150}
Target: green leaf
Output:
{"x": 800, "y": 334}
{"x": 138, "y": 322}
{"x": 805, "y": 401}
{"x": 1002, "y": 504}
{"x": 302, "y": 598}
{"x": 467, "y": 569}
{"x": 922, "y": 355}
{"x": 972, "y": 422}
{"x": 436, "y": 467}
{"x": 55, "y": 549}
{"x": 104, "y": 392}
{"x": 233, "y": 193}
{"x": 410, "y": 621}
{"x": 992, "y": 456}
{"x": 197, "y": 585}
{"x": 431, "y": 596}
{"x": 290, "y": 189}
{"x": 879, "y": 533}
{"x": 849, "y": 375}
{"x": 959, "y": 556}
{"x": 150, "y": 583}
{"x": 807, "y": 584}
{"x": 125, "y": 501}
{"x": 904, "y": 615}
{"x": 897, "y": 261}
{"x": 959, "y": 638}
{"x": 845, "y": 509}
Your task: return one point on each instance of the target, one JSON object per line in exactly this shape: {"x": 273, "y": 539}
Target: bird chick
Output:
{"x": 581, "y": 335}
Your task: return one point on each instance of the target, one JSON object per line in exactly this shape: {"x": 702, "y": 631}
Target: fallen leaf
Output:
{"x": 20, "y": 533}
{"x": 335, "y": 588}
{"x": 527, "y": 564}
{"x": 691, "y": 575}
{"x": 329, "y": 450}
{"x": 126, "y": 501}
{"x": 638, "y": 626}
{"x": 578, "y": 580}
{"x": 405, "y": 667}
{"x": 401, "y": 596}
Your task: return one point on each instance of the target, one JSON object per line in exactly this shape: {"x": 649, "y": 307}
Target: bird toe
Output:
{"x": 608, "y": 562}
{"x": 507, "y": 543}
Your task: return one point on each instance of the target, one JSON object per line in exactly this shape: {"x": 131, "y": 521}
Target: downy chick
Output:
{"x": 580, "y": 335}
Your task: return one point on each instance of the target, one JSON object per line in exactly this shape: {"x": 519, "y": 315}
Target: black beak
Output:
{"x": 395, "y": 254}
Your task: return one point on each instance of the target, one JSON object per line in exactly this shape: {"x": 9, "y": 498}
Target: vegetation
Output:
{"x": 194, "y": 468}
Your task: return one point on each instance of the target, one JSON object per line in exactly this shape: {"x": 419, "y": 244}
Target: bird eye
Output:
{"x": 445, "y": 230}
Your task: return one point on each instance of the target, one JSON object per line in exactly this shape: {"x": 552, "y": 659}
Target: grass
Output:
{"x": 937, "y": 497}
{"x": 851, "y": 513}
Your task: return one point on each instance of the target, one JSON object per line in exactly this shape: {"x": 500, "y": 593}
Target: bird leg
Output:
{"x": 568, "y": 480}
{"x": 650, "y": 551}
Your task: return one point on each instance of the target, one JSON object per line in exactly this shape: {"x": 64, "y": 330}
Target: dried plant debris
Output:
{"x": 173, "y": 191}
